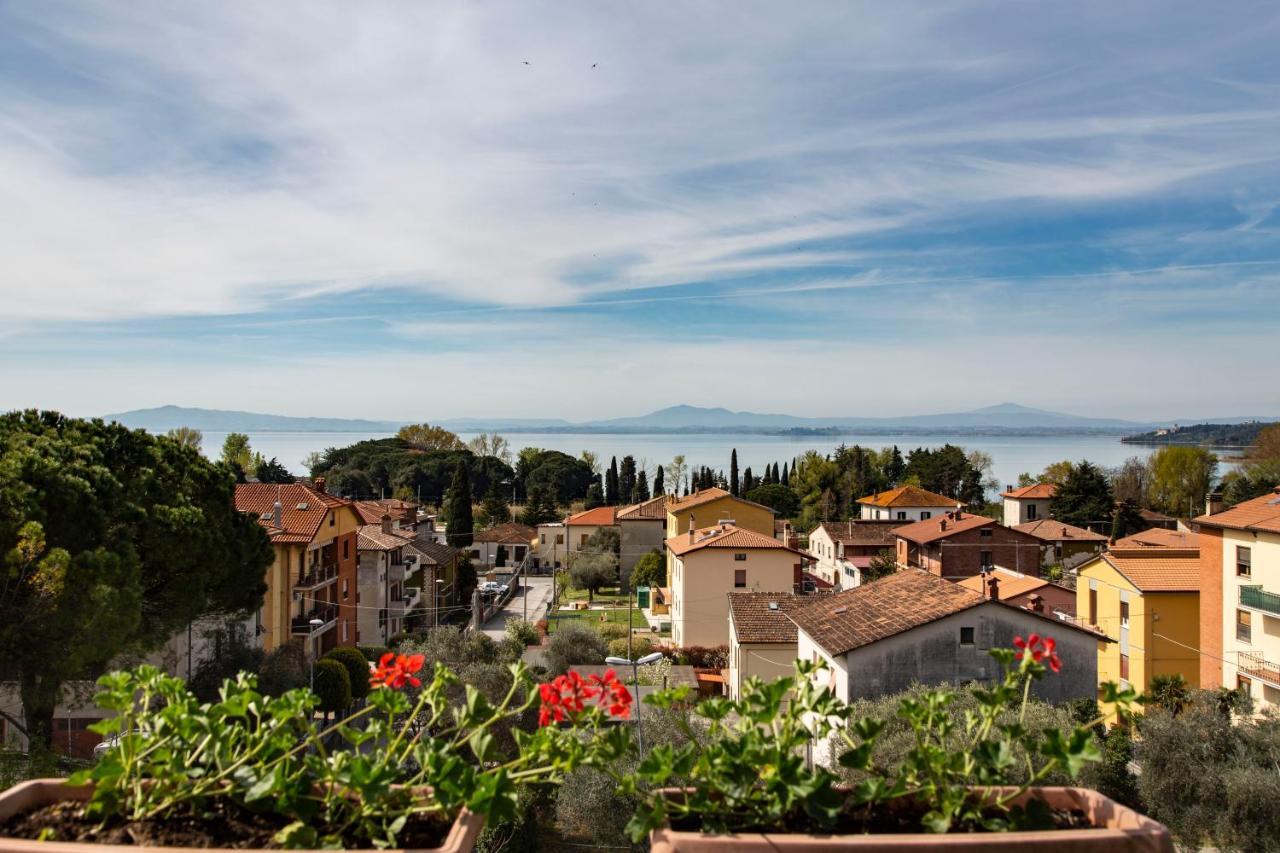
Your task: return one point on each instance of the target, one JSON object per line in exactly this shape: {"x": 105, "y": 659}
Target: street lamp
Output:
{"x": 314, "y": 623}
{"x": 435, "y": 603}
{"x": 635, "y": 665}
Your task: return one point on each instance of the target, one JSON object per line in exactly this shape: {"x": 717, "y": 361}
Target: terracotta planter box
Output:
{"x": 42, "y": 792}
{"x": 1116, "y": 829}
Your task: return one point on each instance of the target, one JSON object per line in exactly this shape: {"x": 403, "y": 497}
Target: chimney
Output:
{"x": 1037, "y": 603}
{"x": 277, "y": 515}
{"x": 1064, "y": 532}
{"x": 319, "y": 484}
{"x": 1213, "y": 503}
{"x": 386, "y": 522}
{"x": 942, "y": 525}
{"x": 993, "y": 588}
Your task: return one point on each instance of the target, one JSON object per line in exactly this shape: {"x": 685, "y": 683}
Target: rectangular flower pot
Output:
{"x": 42, "y": 792}
{"x": 1116, "y": 829}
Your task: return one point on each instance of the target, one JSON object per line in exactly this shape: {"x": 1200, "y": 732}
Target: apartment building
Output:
{"x": 905, "y": 503}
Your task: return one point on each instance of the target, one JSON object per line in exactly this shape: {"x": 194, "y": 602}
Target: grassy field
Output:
{"x": 607, "y": 595}
{"x": 592, "y": 617}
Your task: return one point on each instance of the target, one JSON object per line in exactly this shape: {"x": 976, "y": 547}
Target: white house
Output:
{"x": 1028, "y": 503}
{"x": 844, "y": 549}
{"x": 905, "y": 503}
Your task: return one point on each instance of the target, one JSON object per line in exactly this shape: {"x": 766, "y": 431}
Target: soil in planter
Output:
{"x": 898, "y": 819}
{"x": 221, "y": 825}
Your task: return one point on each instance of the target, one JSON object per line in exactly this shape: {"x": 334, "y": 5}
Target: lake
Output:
{"x": 1012, "y": 454}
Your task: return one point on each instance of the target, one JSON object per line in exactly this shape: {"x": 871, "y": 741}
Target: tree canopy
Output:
{"x": 1083, "y": 497}
{"x": 1180, "y": 478}
{"x": 458, "y": 509}
{"x": 113, "y": 540}
{"x": 428, "y": 437}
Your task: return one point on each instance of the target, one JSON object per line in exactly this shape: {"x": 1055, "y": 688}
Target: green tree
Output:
{"x": 466, "y": 575}
{"x": 236, "y": 452}
{"x": 271, "y": 471}
{"x": 593, "y": 570}
{"x": 500, "y": 557}
{"x": 458, "y": 509}
{"x": 611, "y": 483}
{"x": 572, "y": 644}
{"x": 491, "y": 444}
{"x": 428, "y": 437}
{"x": 882, "y": 565}
{"x": 112, "y": 540}
{"x": 1129, "y": 481}
{"x": 786, "y": 476}
{"x": 540, "y": 508}
{"x": 627, "y": 481}
{"x": 495, "y": 509}
{"x": 650, "y": 570}
{"x": 595, "y": 496}
{"x": 641, "y": 493}
{"x": 1083, "y": 497}
{"x": 357, "y": 668}
{"x": 187, "y": 436}
{"x": 777, "y": 497}
{"x": 659, "y": 484}
{"x": 1180, "y": 478}
{"x": 332, "y": 685}
{"x": 1127, "y": 520}
{"x": 1056, "y": 472}
{"x": 1250, "y": 480}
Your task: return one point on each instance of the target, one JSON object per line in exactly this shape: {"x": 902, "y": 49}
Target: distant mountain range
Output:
{"x": 1006, "y": 418}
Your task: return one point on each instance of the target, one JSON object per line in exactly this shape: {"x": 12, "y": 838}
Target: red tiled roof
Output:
{"x": 507, "y": 533}
{"x": 1058, "y": 531}
{"x": 302, "y": 508}
{"x": 372, "y": 511}
{"x": 703, "y": 496}
{"x": 1158, "y": 569}
{"x": 932, "y": 529}
{"x": 909, "y": 496}
{"x": 761, "y": 617}
{"x": 1012, "y": 584}
{"x": 1261, "y": 514}
{"x": 1159, "y": 537}
{"x": 372, "y": 538}
{"x": 1036, "y": 491}
{"x": 652, "y": 509}
{"x": 601, "y": 516}
{"x": 435, "y": 552}
{"x": 723, "y": 536}
{"x": 861, "y": 533}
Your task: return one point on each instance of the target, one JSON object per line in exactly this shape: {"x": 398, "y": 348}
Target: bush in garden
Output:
{"x": 640, "y": 646}
{"x": 613, "y": 630}
{"x": 373, "y": 654}
{"x": 703, "y": 657}
{"x": 284, "y": 668}
{"x": 522, "y": 632}
{"x": 357, "y": 668}
{"x": 573, "y": 644}
{"x": 333, "y": 686}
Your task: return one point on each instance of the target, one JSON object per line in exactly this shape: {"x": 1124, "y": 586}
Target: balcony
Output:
{"x": 319, "y": 575}
{"x": 1256, "y": 598}
{"x": 326, "y": 613}
{"x": 1256, "y": 666}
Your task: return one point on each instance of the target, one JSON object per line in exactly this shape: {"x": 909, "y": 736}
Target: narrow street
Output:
{"x": 536, "y": 592}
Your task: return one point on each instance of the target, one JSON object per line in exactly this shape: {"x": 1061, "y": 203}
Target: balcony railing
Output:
{"x": 1256, "y": 666}
{"x": 326, "y": 613}
{"x": 318, "y": 576}
{"x": 1256, "y": 598}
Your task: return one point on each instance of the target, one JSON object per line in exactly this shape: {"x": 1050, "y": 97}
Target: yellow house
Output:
{"x": 762, "y": 637}
{"x": 710, "y": 563}
{"x": 706, "y": 507}
{"x": 1148, "y": 598}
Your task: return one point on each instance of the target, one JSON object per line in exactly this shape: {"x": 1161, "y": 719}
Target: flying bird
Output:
{"x": 526, "y": 62}
{"x": 594, "y": 64}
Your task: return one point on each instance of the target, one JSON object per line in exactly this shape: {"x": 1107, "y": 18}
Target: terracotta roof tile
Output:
{"x": 861, "y": 533}
{"x": 371, "y": 538}
{"x": 302, "y": 508}
{"x": 1261, "y": 514}
{"x": 723, "y": 536}
{"x": 372, "y": 511}
{"x": 435, "y": 552}
{"x": 1058, "y": 531}
{"x": 1160, "y": 537}
{"x": 703, "y": 496}
{"x": 601, "y": 516}
{"x": 652, "y": 509}
{"x": 950, "y": 524}
{"x": 1012, "y": 584}
{"x": 1158, "y": 569}
{"x": 761, "y": 617}
{"x": 1036, "y": 491}
{"x": 909, "y": 496}
{"x": 507, "y": 533}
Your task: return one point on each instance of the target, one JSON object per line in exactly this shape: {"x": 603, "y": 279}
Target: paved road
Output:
{"x": 537, "y": 589}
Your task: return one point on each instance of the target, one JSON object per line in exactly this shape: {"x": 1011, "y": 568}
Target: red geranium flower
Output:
{"x": 569, "y": 694}
{"x": 395, "y": 671}
{"x": 1039, "y": 649}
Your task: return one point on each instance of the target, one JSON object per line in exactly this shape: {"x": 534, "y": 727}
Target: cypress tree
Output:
{"x": 733, "y": 472}
{"x": 786, "y": 477}
{"x": 627, "y": 481}
{"x": 611, "y": 483}
{"x": 494, "y": 509}
{"x": 748, "y": 482}
{"x": 641, "y": 493}
{"x": 458, "y": 508}
{"x": 659, "y": 488}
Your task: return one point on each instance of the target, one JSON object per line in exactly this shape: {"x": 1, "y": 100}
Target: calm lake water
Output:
{"x": 1011, "y": 454}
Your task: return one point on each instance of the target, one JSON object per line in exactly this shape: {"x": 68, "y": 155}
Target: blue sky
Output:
{"x": 416, "y": 210}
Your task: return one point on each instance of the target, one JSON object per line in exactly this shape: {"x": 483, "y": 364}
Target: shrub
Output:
{"x": 613, "y": 630}
{"x": 703, "y": 657}
{"x": 333, "y": 685}
{"x": 357, "y": 668}
{"x": 373, "y": 654}
{"x": 640, "y": 646}
{"x": 283, "y": 669}
{"x": 542, "y": 626}
{"x": 572, "y": 644}
{"x": 522, "y": 632}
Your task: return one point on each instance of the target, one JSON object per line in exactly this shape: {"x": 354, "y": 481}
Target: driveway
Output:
{"x": 535, "y": 592}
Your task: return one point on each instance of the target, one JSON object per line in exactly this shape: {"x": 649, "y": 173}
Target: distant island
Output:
{"x": 1202, "y": 435}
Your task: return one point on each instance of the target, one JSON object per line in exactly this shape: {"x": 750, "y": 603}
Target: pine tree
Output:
{"x": 896, "y": 469}
{"x": 495, "y": 509}
{"x": 659, "y": 488}
{"x": 733, "y": 472}
{"x": 458, "y": 508}
{"x": 540, "y": 507}
{"x": 611, "y": 483}
{"x": 641, "y": 493}
{"x": 595, "y": 495}
{"x": 627, "y": 481}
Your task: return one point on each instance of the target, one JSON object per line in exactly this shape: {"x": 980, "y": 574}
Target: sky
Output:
{"x": 594, "y": 209}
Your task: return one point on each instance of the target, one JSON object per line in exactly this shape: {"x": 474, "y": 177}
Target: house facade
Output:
{"x": 384, "y": 601}
{"x": 762, "y": 638}
{"x": 1149, "y": 600}
{"x": 580, "y": 527}
{"x": 1064, "y": 544}
{"x": 1027, "y": 503}
{"x": 708, "y": 564}
{"x": 706, "y": 507}
{"x": 643, "y": 529}
{"x": 905, "y": 503}
{"x": 1240, "y": 599}
{"x": 552, "y": 547}
{"x": 842, "y": 550}
{"x": 959, "y": 545}
{"x": 505, "y": 544}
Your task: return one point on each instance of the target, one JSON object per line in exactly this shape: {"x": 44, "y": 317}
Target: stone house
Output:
{"x": 959, "y": 545}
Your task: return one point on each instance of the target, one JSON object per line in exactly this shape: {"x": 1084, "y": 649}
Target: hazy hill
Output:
{"x": 165, "y": 418}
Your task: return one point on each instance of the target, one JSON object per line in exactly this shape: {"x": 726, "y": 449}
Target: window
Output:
{"x": 966, "y": 636}
{"x": 1244, "y": 685}
{"x": 1244, "y": 561}
{"x": 1031, "y": 512}
{"x": 739, "y": 578}
{"x": 582, "y": 542}
{"x": 739, "y": 557}
{"x": 332, "y": 519}
{"x": 559, "y": 538}
{"x": 1124, "y": 614}
{"x": 542, "y": 538}
{"x": 984, "y": 533}
{"x": 1093, "y": 607}
{"x": 1244, "y": 626}
{"x": 344, "y": 589}
{"x": 346, "y": 548}
{"x": 925, "y": 515}
{"x": 902, "y": 516}
{"x": 1124, "y": 667}
{"x": 986, "y": 559}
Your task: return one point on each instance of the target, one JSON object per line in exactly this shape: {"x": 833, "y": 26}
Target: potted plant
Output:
{"x": 743, "y": 781}
{"x": 410, "y": 769}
